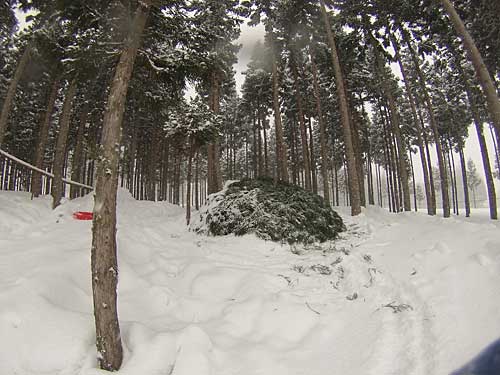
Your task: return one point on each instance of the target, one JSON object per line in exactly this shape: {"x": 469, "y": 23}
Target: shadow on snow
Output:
{"x": 486, "y": 362}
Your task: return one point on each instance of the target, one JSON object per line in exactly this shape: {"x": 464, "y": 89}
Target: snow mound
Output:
{"x": 273, "y": 211}
{"x": 394, "y": 294}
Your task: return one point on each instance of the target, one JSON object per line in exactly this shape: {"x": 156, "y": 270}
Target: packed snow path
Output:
{"x": 397, "y": 294}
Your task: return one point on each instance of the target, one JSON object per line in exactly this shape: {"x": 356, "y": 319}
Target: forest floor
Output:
{"x": 396, "y": 294}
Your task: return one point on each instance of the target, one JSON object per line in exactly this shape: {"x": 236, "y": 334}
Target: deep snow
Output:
{"x": 397, "y": 294}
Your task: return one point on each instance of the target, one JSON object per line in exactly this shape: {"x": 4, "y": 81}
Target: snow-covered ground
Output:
{"x": 397, "y": 294}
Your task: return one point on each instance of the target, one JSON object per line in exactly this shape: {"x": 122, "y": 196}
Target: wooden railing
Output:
{"x": 41, "y": 171}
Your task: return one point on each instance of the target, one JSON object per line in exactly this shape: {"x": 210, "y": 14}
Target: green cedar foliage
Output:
{"x": 278, "y": 212}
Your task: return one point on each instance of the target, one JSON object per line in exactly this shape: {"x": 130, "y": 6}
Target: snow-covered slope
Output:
{"x": 397, "y": 294}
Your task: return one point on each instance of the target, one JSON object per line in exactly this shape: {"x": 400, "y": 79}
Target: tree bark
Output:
{"x": 62, "y": 141}
{"x": 43, "y": 133}
{"x": 78, "y": 159}
{"x": 260, "y": 156}
{"x": 395, "y": 121}
{"x": 196, "y": 181}
{"x": 322, "y": 132}
{"x": 314, "y": 175}
{"x": 302, "y": 126}
{"x": 281, "y": 150}
{"x": 153, "y": 162}
{"x": 189, "y": 178}
{"x": 11, "y": 92}
{"x": 413, "y": 181}
{"x": 490, "y": 184}
{"x": 344, "y": 112}
{"x": 103, "y": 259}
{"x": 465, "y": 183}
{"x": 439, "y": 151}
{"x": 455, "y": 188}
{"x": 214, "y": 169}
{"x": 264, "y": 133}
{"x": 431, "y": 208}
{"x": 452, "y": 182}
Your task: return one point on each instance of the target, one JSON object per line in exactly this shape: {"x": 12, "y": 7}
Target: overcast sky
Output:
{"x": 249, "y": 36}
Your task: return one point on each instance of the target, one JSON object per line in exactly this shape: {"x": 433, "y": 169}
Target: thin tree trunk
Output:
{"x": 442, "y": 170}
{"x": 465, "y": 183}
{"x": 429, "y": 163}
{"x": 496, "y": 146}
{"x": 62, "y": 141}
{"x": 103, "y": 259}
{"x": 455, "y": 189}
{"x": 214, "y": 168}
{"x": 431, "y": 208}
{"x": 490, "y": 184}
{"x": 452, "y": 182}
{"x": 153, "y": 162}
{"x": 11, "y": 92}
{"x": 197, "y": 181}
{"x": 344, "y": 112}
{"x": 260, "y": 157}
{"x": 395, "y": 121}
{"x": 322, "y": 132}
{"x": 356, "y": 142}
{"x": 43, "y": 134}
{"x": 413, "y": 180}
{"x": 314, "y": 175}
{"x": 302, "y": 126}
{"x": 266, "y": 163}
{"x": 294, "y": 155}
{"x": 281, "y": 151}
{"x": 77, "y": 162}
{"x": 188, "y": 180}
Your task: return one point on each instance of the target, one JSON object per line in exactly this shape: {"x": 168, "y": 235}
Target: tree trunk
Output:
{"x": 466, "y": 184}
{"x": 189, "y": 178}
{"x": 197, "y": 181}
{"x": 322, "y": 132}
{"x": 431, "y": 208}
{"x": 302, "y": 126}
{"x": 490, "y": 184}
{"x": 11, "y": 92}
{"x": 214, "y": 171}
{"x": 153, "y": 162}
{"x": 496, "y": 145}
{"x": 281, "y": 151}
{"x": 260, "y": 156}
{"x": 429, "y": 163}
{"x": 43, "y": 134}
{"x": 358, "y": 153}
{"x": 455, "y": 188}
{"x": 395, "y": 121}
{"x": 294, "y": 164}
{"x": 442, "y": 170}
{"x": 78, "y": 160}
{"x": 475, "y": 57}
{"x": 103, "y": 260}
{"x": 344, "y": 112}
{"x": 62, "y": 141}
{"x": 266, "y": 163}
{"x": 452, "y": 182}
{"x": 314, "y": 175}
{"x": 413, "y": 181}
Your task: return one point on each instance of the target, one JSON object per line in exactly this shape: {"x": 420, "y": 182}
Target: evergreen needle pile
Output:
{"x": 277, "y": 212}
